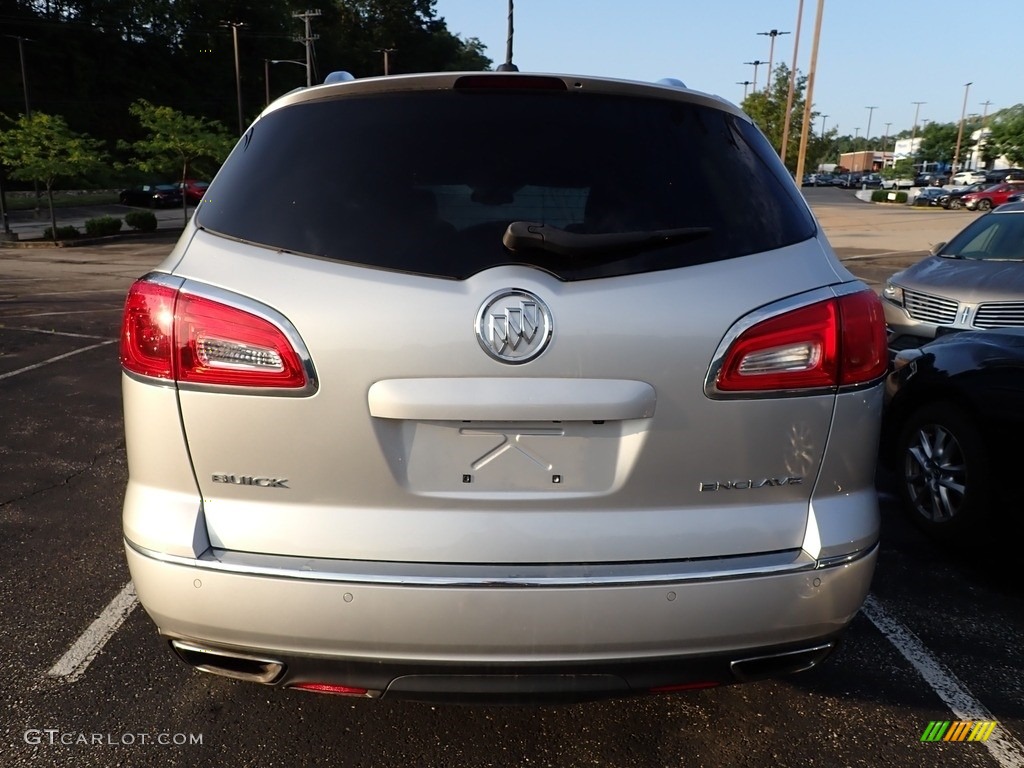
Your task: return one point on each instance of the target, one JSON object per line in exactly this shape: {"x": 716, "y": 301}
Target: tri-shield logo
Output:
{"x": 513, "y": 326}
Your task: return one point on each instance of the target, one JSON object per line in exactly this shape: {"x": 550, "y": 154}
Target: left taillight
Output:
{"x": 170, "y": 334}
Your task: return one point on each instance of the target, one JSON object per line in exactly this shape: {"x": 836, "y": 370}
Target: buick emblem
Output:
{"x": 513, "y": 326}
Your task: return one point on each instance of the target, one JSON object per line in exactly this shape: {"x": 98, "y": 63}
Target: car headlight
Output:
{"x": 893, "y": 293}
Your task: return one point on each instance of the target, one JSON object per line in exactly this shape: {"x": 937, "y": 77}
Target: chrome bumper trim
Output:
{"x": 506, "y": 575}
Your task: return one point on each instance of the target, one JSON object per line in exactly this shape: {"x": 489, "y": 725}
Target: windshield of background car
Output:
{"x": 995, "y": 237}
{"x": 428, "y": 182}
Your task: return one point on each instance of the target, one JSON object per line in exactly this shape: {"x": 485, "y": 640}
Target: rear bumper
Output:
{"x": 576, "y": 632}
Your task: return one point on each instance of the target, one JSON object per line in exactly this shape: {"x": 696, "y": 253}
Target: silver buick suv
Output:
{"x": 460, "y": 386}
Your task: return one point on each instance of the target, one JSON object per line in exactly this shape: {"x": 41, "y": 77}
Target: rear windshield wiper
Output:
{"x": 528, "y": 235}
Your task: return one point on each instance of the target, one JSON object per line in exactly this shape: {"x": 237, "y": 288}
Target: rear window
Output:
{"x": 428, "y": 182}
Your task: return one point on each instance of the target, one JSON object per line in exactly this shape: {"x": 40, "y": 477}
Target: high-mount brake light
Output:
{"x": 831, "y": 343}
{"x": 193, "y": 339}
{"x": 509, "y": 82}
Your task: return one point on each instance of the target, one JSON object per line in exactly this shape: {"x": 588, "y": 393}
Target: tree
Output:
{"x": 1007, "y": 135}
{"x": 42, "y": 148}
{"x": 938, "y": 143}
{"x": 767, "y": 108}
{"x": 175, "y": 142}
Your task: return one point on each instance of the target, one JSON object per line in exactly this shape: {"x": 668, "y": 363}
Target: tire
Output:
{"x": 944, "y": 471}
{"x": 955, "y": 204}
{"x": 984, "y": 204}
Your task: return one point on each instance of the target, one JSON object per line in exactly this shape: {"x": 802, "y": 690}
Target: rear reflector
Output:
{"x": 188, "y": 338}
{"x": 835, "y": 342}
{"x": 685, "y": 687}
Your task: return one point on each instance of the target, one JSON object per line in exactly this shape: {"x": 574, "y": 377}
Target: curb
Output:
{"x": 161, "y": 234}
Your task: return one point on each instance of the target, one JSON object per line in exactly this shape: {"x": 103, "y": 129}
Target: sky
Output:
{"x": 881, "y": 53}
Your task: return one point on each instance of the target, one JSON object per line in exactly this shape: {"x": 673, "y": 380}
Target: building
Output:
{"x": 866, "y": 160}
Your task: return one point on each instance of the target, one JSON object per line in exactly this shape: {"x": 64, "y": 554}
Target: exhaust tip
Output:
{"x": 237, "y": 666}
{"x": 778, "y": 664}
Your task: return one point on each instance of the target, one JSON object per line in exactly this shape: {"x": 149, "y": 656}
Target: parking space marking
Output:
{"x": 1006, "y": 750}
{"x": 72, "y": 665}
{"x": 52, "y": 333}
{"x": 66, "y": 355}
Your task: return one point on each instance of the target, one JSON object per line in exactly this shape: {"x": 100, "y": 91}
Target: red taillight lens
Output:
{"x": 194, "y": 339}
{"x": 337, "y": 690}
{"x": 839, "y": 341}
{"x": 147, "y": 330}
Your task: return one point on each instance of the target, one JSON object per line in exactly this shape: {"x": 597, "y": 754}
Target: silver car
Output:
{"x": 973, "y": 282}
{"x": 458, "y": 386}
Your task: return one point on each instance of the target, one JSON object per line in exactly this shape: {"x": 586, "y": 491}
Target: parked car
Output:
{"x": 433, "y": 424}
{"x": 848, "y": 180}
{"x": 870, "y": 180}
{"x": 931, "y": 179}
{"x": 824, "y": 180}
{"x": 1004, "y": 174}
{"x": 897, "y": 183}
{"x": 194, "y": 190}
{"x": 990, "y": 197}
{"x": 952, "y": 199}
{"x": 952, "y": 408}
{"x": 968, "y": 177}
{"x": 930, "y": 196}
{"x": 973, "y": 282}
{"x": 151, "y": 195}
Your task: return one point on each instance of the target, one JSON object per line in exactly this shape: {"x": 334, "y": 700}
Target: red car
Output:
{"x": 194, "y": 190}
{"x": 988, "y": 198}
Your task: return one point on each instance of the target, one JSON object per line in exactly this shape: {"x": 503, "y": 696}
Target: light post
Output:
{"x": 885, "y": 142}
{"x": 960, "y": 133}
{"x": 266, "y": 72}
{"x": 823, "y": 126}
{"x": 28, "y": 114}
{"x": 756, "y": 64}
{"x": 387, "y": 59}
{"x": 238, "y": 72}
{"x": 867, "y": 133}
{"x": 771, "y": 51}
{"x": 913, "y": 131}
{"x": 744, "y": 83}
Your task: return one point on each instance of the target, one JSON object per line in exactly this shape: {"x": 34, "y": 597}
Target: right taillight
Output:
{"x": 834, "y": 342}
{"x": 192, "y": 339}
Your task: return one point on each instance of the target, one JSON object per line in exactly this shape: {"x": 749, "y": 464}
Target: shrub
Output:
{"x": 63, "y": 233}
{"x": 882, "y": 196}
{"x": 143, "y": 221}
{"x": 104, "y": 225}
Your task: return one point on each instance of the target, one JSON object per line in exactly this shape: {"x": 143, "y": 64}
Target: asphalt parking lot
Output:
{"x": 87, "y": 682}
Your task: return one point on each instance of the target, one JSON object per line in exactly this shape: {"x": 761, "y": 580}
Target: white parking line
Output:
{"x": 51, "y": 333}
{"x": 72, "y": 665}
{"x": 1006, "y": 750}
{"x": 28, "y": 368}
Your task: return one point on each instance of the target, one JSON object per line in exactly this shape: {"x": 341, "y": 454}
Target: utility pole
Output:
{"x": 809, "y": 99}
{"x": 744, "y": 83}
{"x": 913, "y": 131}
{"x": 307, "y": 40}
{"x": 823, "y": 126}
{"x": 885, "y": 141}
{"x": 771, "y": 52}
{"x": 792, "y": 86}
{"x": 756, "y": 65}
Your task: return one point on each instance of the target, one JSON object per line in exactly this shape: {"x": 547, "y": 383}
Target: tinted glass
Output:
{"x": 427, "y": 182}
{"x": 996, "y": 237}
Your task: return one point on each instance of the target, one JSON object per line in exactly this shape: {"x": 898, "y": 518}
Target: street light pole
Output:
{"x": 871, "y": 111}
{"x": 266, "y": 71}
{"x": 823, "y": 126}
{"x": 771, "y": 52}
{"x": 913, "y": 131}
{"x": 885, "y": 141}
{"x": 960, "y": 133}
{"x": 756, "y": 65}
{"x": 744, "y": 83}
{"x": 238, "y": 72}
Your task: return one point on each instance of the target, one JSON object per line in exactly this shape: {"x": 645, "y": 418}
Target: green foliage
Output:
{"x": 767, "y": 108}
{"x": 63, "y": 233}
{"x": 938, "y": 143}
{"x": 175, "y": 141}
{"x": 901, "y": 169}
{"x": 42, "y": 148}
{"x": 143, "y": 221}
{"x": 102, "y": 226}
{"x": 1007, "y": 135}
{"x": 882, "y": 196}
